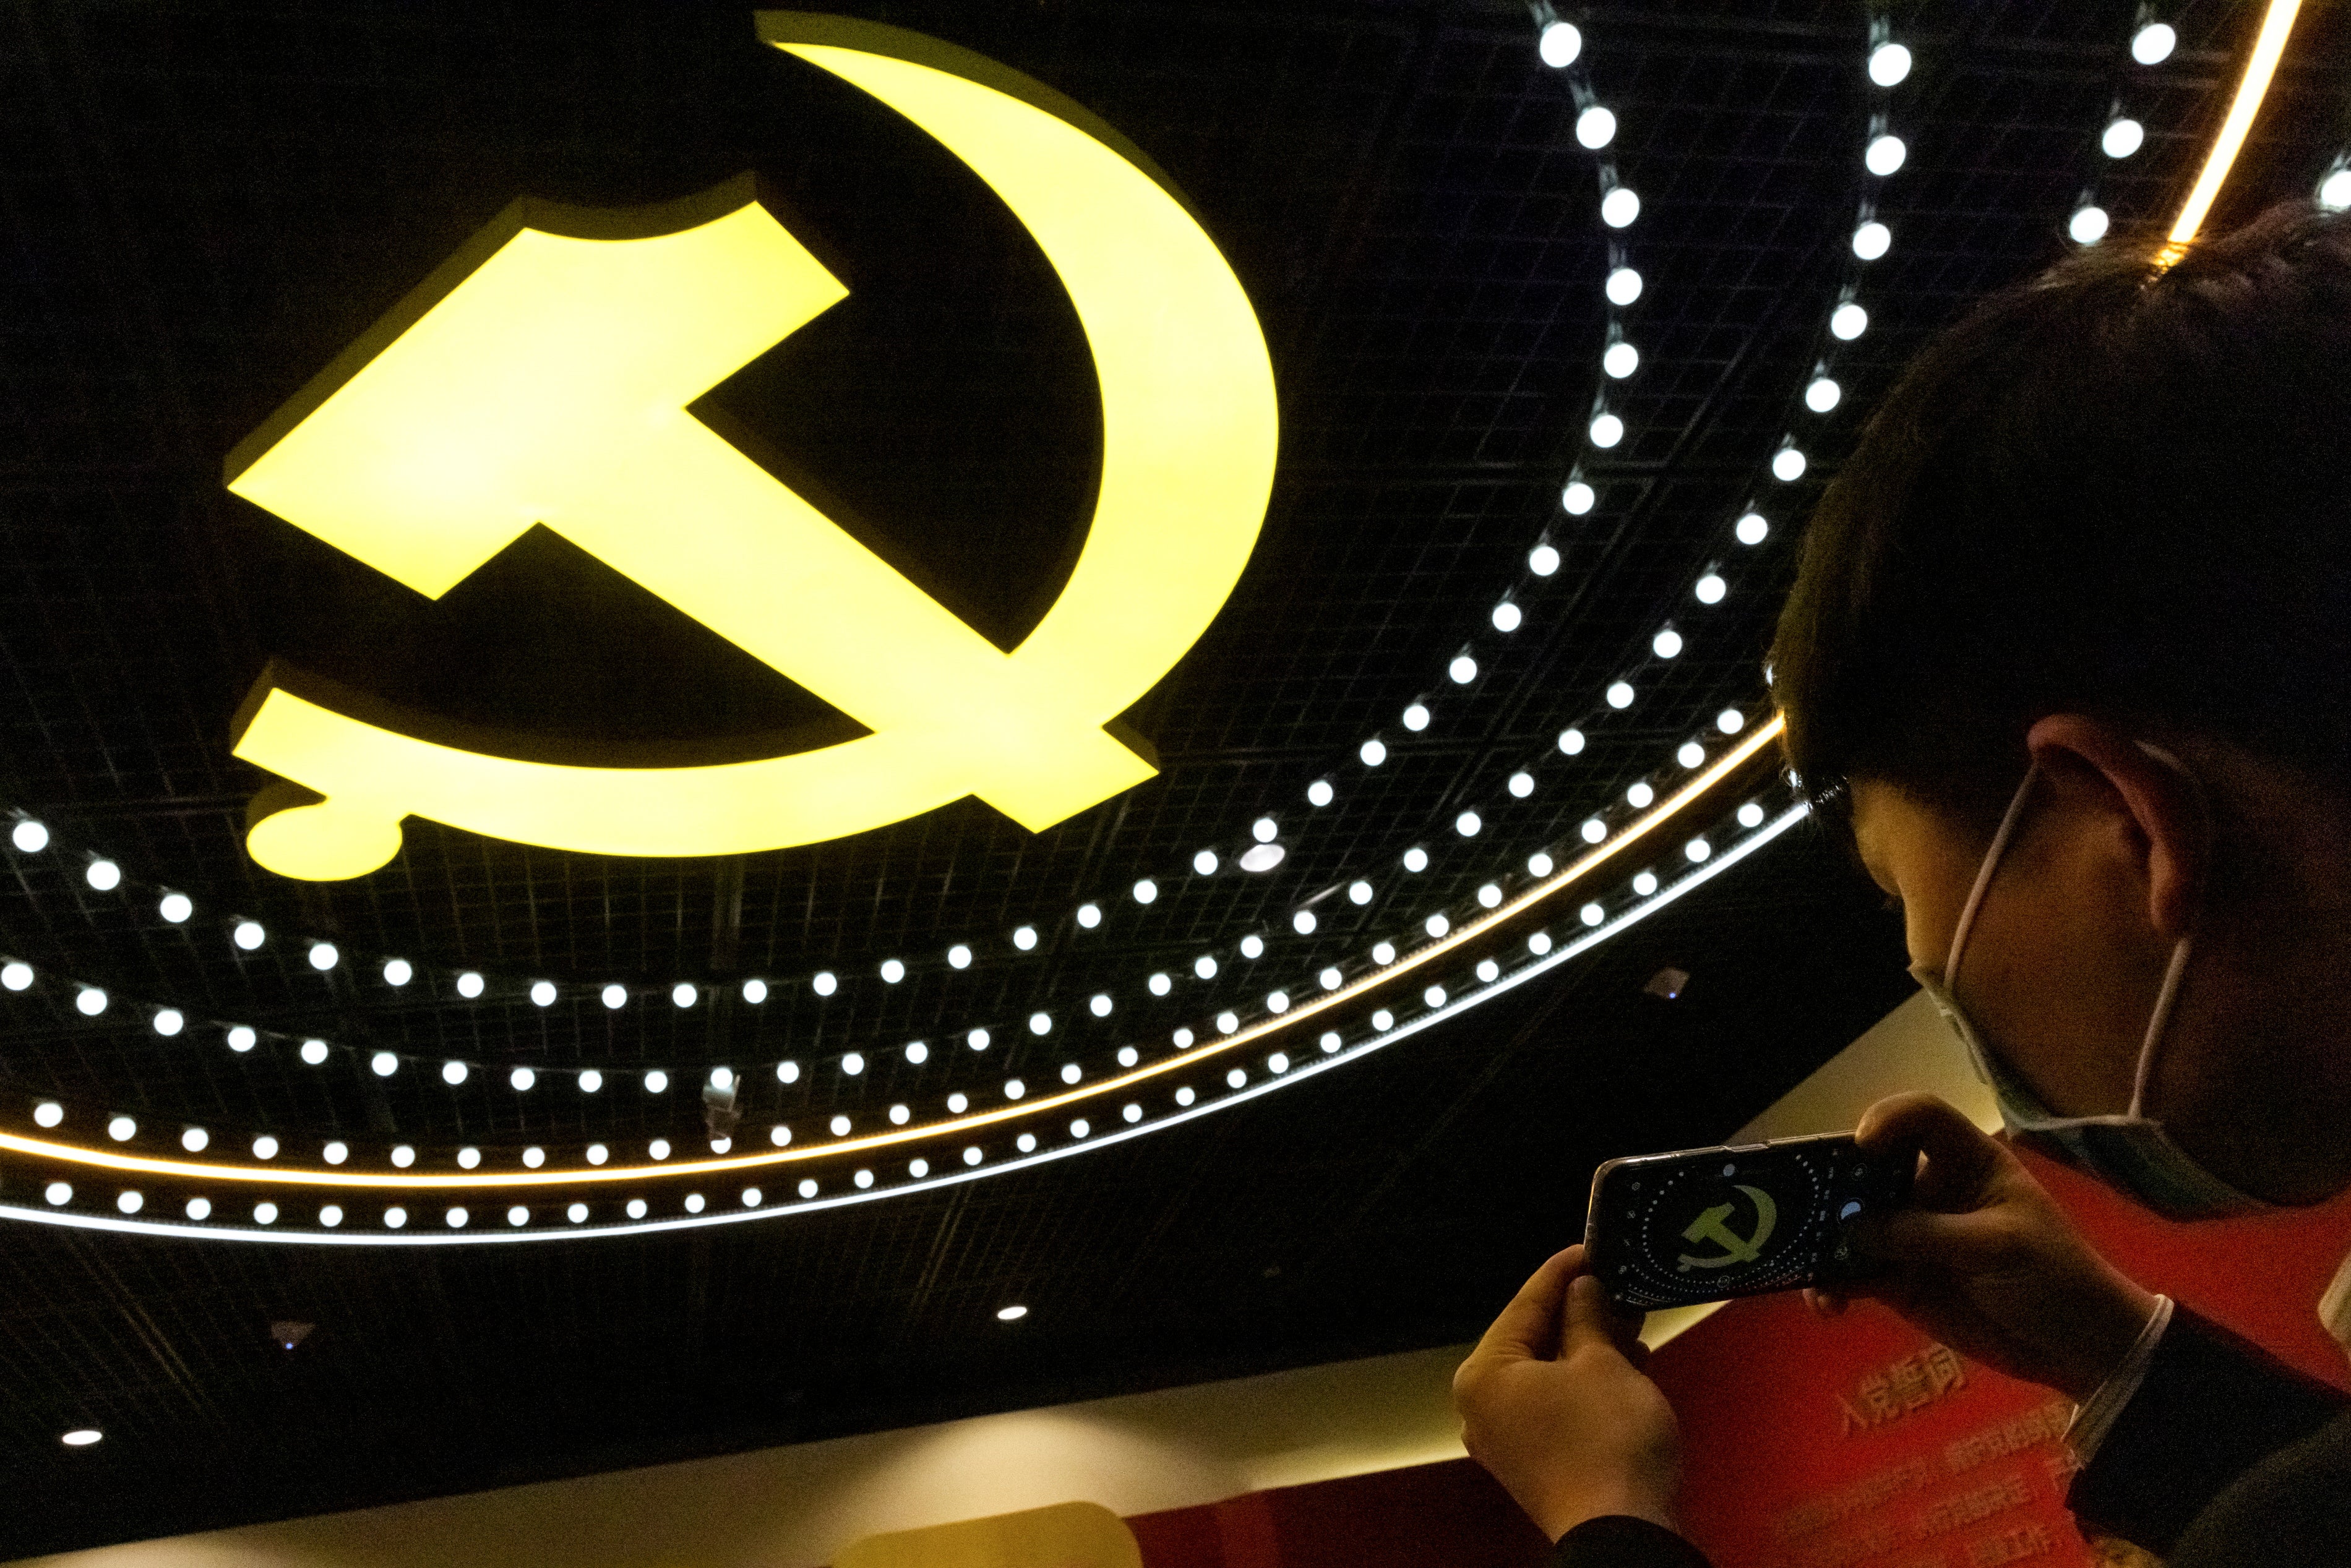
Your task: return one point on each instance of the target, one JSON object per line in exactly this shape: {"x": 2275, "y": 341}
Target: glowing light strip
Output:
{"x": 469, "y": 1237}
{"x": 1728, "y": 763}
{"x": 2269, "y": 47}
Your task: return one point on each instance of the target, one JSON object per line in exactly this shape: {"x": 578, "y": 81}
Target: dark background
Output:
{"x": 200, "y": 205}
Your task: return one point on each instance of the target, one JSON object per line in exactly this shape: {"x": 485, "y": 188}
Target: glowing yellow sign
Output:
{"x": 542, "y": 376}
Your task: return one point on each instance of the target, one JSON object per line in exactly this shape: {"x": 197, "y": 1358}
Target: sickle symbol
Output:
{"x": 1711, "y": 1225}
{"x": 542, "y": 376}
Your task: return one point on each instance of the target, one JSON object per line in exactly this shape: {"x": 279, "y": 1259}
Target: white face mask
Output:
{"x": 2130, "y": 1153}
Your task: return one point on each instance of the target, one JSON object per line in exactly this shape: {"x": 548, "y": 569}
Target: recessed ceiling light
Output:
{"x": 1011, "y": 1314}
{"x": 82, "y": 1436}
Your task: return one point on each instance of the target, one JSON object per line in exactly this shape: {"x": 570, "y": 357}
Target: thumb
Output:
{"x": 1592, "y": 1323}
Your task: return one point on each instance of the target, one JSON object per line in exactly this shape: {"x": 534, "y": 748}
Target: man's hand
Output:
{"x": 1554, "y": 1402}
{"x": 1987, "y": 1263}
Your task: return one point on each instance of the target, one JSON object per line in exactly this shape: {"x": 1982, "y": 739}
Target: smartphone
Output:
{"x": 1704, "y": 1225}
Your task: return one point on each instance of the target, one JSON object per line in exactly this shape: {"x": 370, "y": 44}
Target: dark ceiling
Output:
{"x": 203, "y": 204}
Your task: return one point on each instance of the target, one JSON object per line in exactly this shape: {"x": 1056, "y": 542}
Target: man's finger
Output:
{"x": 1528, "y": 1329}
{"x": 1987, "y": 1239}
{"x": 1961, "y": 1161}
{"x": 1591, "y": 1320}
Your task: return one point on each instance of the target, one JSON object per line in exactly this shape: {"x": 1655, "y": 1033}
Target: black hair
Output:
{"x": 2124, "y": 489}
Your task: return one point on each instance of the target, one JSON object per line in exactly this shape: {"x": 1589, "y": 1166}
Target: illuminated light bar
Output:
{"x": 2269, "y": 47}
{"x": 950, "y": 1175}
{"x": 1471, "y": 931}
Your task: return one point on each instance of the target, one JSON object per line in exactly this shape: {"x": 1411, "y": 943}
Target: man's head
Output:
{"x": 2114, "y": 506}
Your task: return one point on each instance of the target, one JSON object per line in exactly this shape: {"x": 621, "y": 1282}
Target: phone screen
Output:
{"x": 1702, "y": 1225}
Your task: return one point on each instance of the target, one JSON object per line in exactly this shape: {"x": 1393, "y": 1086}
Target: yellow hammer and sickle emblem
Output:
{"x": 542, "y": 376}
{"x": 1713, "y": 1225}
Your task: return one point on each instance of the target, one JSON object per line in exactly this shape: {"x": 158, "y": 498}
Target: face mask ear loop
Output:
{"x": 1983, "y": 874}
{"x": 2155, "y": 1024}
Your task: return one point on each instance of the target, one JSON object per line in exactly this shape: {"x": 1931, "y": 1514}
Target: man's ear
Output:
{"x": 2170, "y": 824}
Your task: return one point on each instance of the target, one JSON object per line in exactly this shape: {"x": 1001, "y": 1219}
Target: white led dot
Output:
{"x": 264, "y": 1147}
{"x": 1638, "y": 794}
{"x": 1318, "y": 793}
{"x": 590, "y": 1081}
{"x": 1252, "y": 945}
{"x": 1730, "y": 721}
{"x": 1522, "y": 785}
{"x": 1183, "y": 1039}
{"x": 637, "y": 1208}
{"x": 1645, "y": 884}
{"x": 456, "y": 1219}
{"x": 1667, "y": 644}
{"x": 452, "y": 1073}
{"x": 1332, "y": 979}
{"x": 57, "y": 1192}
{"x": 1595, "y": 128}
{"x": 577, "y": 1214}
{"x": 1488, "y": 971}
{"x": 128, "y": 1202}
{"x": 48, "y": 1114}
{"x": 1490, "y": 896}
{"x": 2088, "y": 223}
{"x": 1608, "y": 430}
{"x": 1099, "y": 1006}
{"x": 1623, "y": 286}
{"x": 2334, "y": 190}
{"x": 1698, "y": 849}
{"x": 1848, "y": 321}
{"x": 658, "y": 1149}
{"x": 1464, "y": 669}
{"x": 29, "y": 836}
{"x": 1436, "y": 925}
{"x": 1538, "y": 864}
{"x": 683, "y": 994}
{"x": 1571, "y": 742}
{"x": 1205, "y": 966}
{"x": 201, "y": 1208}
{"x": 1228, "y": 1022}
{"x": 314, "y": 1051}
{"x": 1359, "y": 893}
{"x": 824, "y": 982}
{"x": 1621, "y": 360}
{"x": 1823, "y": 394}
{"x": 2122, "y": 138}
{"x": 1146, "y": 891}
{"x": 16, "y": 975}
{"x": 1040, "y": 1023}
{"x": 1871, "y": 240}
{"x": 779, "y": 1135}
{"x": 1415, "y": 717}
{"x": 383, "y": 1064}
{"x": 656, "y": 1082}
{"x": 90, "y": 1002}
{"x": 1753, "y": 529}
{"x": 121, "y": 1129}
{"x": 1468, "y": 823}
{"x": 893, "y": 971}
{"x": 1384, "y": 1021}
{"x": 1750, "y": 815}
{"x": 1373, "y": 752}
{"x": 1578, "y": 498}
{"x": 176, "y": 907}
{"x": 324, "y": 955}
{"x": 398, "y": 972}
{"x": 959, "y": 955}
{"x": 169, "y": 1022}
{"x": 1593, "y": 915}
{"x": 517, "y": 1216}
{"x": 1710, "y": 589}
{"x": 468, "y": 1159}
{"x": 1889, "y": 64}
{"x": 1619, "y": 208}
{"x": 103, "y": 875}
{"x": 1620, "y": 693}
{"x": 2152, "y": 44}
{"x": 404, "y": 1155}
{"x": 1383, "y": 953}
{"x": 1089, "y": 915}
{"x": 1204, "y": 863}
{"x": 1690, "y": 754}
{"x": 978, "y": 1039}
{"x": 1885, "y": 155}
{"x": 1507, "y": 617}
{"x": 1594, "y": 830}
{"x": 469, "y": 985}
{"x": 598, "y": 1154}
{"x": 1787, "y": 465}
{"x": 751, "y": 1197}
{"x": 534, "y": 1157}
{"x": 1415, "y": 859}
{"x": 1235, "y": 1078}
{"x": 1539, "y": 943}
{"x": 1559, "y": 43}
{"x": 542, "y": 993}
{"x": 1185, "y": 1096}
{"x": 1543, "y": 561}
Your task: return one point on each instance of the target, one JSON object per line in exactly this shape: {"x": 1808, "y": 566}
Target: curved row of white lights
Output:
{"x": 93, "y": 1001}
{"x": 1443, "y": 939}
{"x": 2151, "y": 44}
{"x": 402, "y": 1225}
